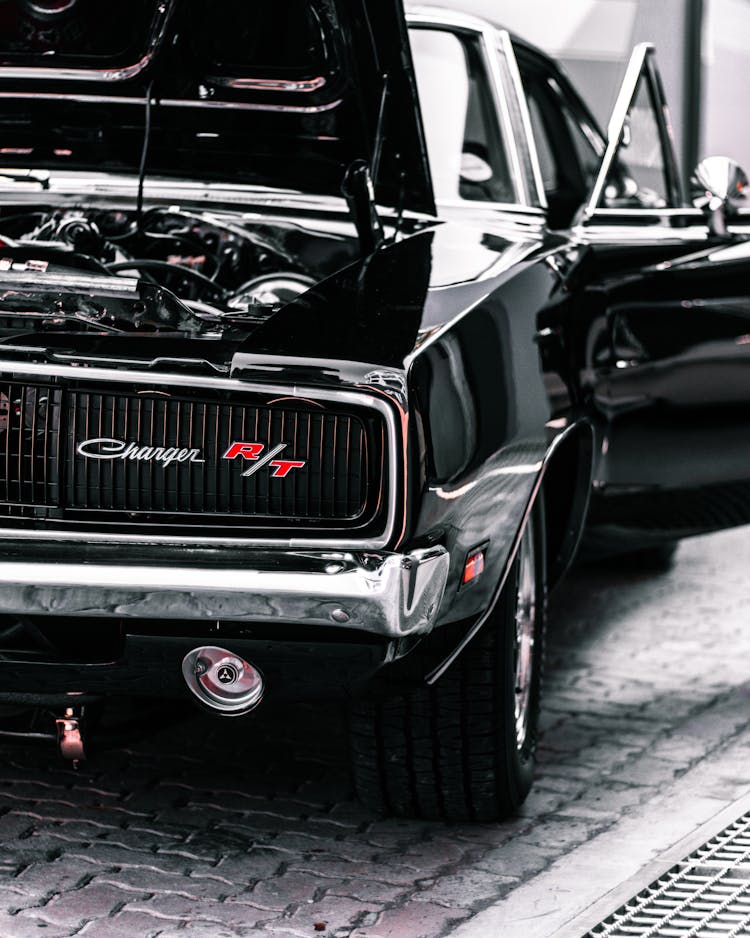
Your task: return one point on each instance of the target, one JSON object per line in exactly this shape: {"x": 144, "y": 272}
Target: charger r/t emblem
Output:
{"x": 253, "y": 452}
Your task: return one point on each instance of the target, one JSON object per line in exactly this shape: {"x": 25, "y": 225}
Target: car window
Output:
{"x": 547, "y": 162}
{"x": 568, "y": 149}
{"x": 587, "y": 142}
{"x": 465, "y": 146}
{"x": 638, "y": 177}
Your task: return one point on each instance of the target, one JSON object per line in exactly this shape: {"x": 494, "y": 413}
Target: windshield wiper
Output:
{"x": 25, "y": 175}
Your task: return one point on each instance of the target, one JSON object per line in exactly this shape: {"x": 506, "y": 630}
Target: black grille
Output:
{"x": 30, "y": 424}
{"x": 131, "y": 473}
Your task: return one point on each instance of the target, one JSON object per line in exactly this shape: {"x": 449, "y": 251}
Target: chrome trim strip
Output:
{"x": 439, "y": 16}
{"x": 162, "y": 15}
{"x": 36, "y": 73}
{"x": 644, "y": 234}
{"x": 91, "y": 188}
{"x": 650, "y": 212}
{"x": 642, "y": 67}
{"x": 168, "y": 102}
{"x": 40, "y": 281}
{"x": 515, "y": 74}
{"x": 513, "y": 208}
{"x": 267, "y": 84}
{"x": 253, "y": 106}
{"x": 392, "y": 595}
{"x": 78, "y": 97}
{"x": 362, "y": 398}
{"x": 503, "y": 111}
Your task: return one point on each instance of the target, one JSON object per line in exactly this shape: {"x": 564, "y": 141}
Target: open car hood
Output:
{"x": 280, "y": 93}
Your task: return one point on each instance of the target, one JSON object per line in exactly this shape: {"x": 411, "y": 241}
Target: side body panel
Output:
{"x": 481, "y": 407}
{"x": 665, "y": 361}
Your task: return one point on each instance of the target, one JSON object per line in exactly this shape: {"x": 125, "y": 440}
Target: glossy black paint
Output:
{"x": 514, "y": 360}
{"x": 666, "y": 371}
{"x": 445, "y": 324}
{"x": 442, "y": 325}
{"x": 283, "y": 96}
{"x": 370, "y": 311}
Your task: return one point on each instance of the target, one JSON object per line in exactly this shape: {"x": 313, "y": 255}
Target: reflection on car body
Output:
{"x": 325, "y": 340}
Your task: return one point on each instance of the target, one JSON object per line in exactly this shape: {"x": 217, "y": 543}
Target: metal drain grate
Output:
{"x": 706, "y": 895}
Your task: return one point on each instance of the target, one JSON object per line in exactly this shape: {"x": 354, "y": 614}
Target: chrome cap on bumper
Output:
{"x": 386, "y": 594}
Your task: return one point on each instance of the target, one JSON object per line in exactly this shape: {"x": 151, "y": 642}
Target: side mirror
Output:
{"x": 719, "y": 187}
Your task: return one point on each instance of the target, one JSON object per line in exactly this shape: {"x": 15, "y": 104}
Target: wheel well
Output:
{"x": 566, "y": 489}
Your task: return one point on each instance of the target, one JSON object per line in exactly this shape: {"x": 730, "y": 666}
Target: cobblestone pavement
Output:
{"x": 195, "y": 832}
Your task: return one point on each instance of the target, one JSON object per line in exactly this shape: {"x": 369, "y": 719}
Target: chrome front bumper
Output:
{"x": 385, "y": 594}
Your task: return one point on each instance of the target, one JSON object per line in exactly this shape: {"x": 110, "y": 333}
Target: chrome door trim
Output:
{"x": 507, "y": 50}
{"x": 691, "y": 213}
{"x": 695, "y": 235}
{"x": 502, "y": 108}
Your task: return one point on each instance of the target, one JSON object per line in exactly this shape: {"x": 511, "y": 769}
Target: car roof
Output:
{"x": 448, "y": 14}
{"x": 525, "y": 51}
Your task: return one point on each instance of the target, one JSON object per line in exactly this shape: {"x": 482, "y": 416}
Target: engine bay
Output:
{"x": 163, "y": 270}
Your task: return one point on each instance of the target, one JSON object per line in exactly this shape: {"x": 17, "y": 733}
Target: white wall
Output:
{"x": 726, "y": 80}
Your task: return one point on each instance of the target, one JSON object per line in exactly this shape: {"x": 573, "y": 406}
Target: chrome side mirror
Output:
{"x": 719, "y": 187}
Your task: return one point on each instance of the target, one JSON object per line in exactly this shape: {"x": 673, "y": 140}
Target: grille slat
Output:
{"x": 28, "y": 425}
{"x": 43, "y": 469}
{"x": 19, "y": 447}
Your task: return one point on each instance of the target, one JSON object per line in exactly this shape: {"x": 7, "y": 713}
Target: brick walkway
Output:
{"x": 195, "y": 832}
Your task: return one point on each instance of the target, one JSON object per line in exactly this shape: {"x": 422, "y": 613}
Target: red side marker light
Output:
{"x": 474, "y": 566}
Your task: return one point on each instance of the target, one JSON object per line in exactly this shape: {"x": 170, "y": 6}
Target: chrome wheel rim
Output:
{"x": 525, "y": 626}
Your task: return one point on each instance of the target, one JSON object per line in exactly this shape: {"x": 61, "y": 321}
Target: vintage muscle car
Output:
{"x": 321, "y": 324}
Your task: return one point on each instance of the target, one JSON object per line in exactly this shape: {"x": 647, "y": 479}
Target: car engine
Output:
{"x": 165, "y": 269}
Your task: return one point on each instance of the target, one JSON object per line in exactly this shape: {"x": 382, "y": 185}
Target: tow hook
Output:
{"x": 70, "y": 734}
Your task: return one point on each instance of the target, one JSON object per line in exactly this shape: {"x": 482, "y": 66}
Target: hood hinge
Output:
{"x": 358, "y": 190}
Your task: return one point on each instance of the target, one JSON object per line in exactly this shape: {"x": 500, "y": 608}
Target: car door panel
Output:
{"x": 663, "y": 343}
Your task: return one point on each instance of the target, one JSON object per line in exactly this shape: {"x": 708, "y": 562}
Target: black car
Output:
{"x": 320, "y": 328}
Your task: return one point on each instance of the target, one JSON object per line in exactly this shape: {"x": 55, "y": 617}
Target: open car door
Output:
{"x": 638, "y": 193}
{"x": 663, "y": 338}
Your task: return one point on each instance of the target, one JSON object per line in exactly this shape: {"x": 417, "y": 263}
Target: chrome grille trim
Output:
{"x": 393, "y": 451}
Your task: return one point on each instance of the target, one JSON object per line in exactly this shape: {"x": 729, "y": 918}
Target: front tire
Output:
{"x": 464, "y": 748}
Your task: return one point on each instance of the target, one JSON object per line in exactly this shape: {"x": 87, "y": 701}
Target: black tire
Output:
{"x": 452, "y": 751}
